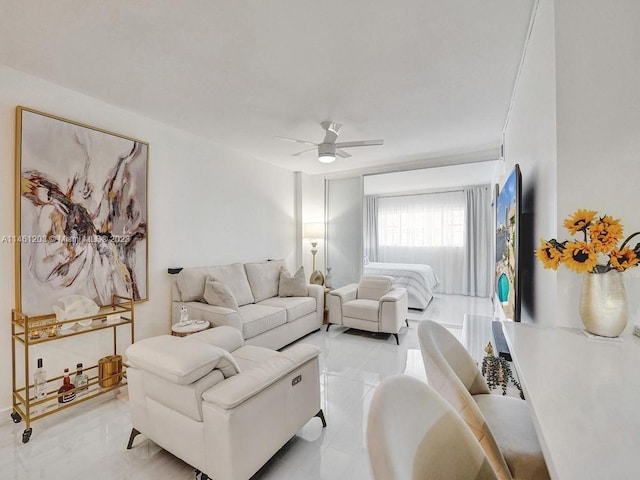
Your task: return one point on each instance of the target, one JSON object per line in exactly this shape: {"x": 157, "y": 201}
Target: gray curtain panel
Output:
{"x": 476, "y": 273}
{"x": 370, "y": 237}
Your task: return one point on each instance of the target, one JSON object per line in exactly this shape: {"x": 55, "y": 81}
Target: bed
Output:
{"x": 418, "y": 279}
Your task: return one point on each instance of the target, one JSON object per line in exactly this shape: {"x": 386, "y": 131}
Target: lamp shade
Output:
{"x": 313, "y": 230}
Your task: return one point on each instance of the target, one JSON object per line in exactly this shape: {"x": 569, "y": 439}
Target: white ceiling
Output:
{"x": 431, "y": 77}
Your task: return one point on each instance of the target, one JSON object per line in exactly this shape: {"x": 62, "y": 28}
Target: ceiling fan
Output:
{"x": 328, "y": 149}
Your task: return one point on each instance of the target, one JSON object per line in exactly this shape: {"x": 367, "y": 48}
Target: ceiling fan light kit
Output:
{"x": 326, "y": 153}
{"x": 328, "y": 149}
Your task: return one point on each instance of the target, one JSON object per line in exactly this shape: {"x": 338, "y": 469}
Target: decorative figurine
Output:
{"x": 489, "y": 350}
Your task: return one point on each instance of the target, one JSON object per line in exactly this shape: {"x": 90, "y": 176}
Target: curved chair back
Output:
{"x": 413, "y": 433}
{"x": 453, "y": 374}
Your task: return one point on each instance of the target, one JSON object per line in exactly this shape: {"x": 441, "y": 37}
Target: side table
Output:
{"x": 193, "y": 326}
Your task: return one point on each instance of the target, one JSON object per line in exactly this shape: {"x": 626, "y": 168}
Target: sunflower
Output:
{"x": 605, "y": 234}
{"x": 623, "y": 259}
{"x": 579, "y": 221}
{"x": 579, "y": 256}
{"x": 549, "y": 254}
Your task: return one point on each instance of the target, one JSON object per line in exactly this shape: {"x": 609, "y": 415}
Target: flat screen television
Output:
{"x": 508, "y": 219}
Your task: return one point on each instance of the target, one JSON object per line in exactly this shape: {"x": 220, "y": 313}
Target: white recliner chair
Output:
{"x": 502, "y": 424}
{"x": 221, "y": 406}
{"x": 413, "y": 433}
{"x": 373, "y": 305}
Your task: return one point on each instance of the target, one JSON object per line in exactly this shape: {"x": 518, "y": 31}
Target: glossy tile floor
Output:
{"x": 89, "y": 442}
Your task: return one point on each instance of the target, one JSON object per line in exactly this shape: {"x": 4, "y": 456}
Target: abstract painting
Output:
{"x": 81, "y": 213}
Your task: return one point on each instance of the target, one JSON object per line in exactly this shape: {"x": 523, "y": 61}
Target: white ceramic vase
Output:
{"x": 603, "y": 303}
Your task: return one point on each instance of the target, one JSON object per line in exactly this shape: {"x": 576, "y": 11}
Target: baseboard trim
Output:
{"x": 5, "y": 415}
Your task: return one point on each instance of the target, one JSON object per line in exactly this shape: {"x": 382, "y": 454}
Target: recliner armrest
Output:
{"x": 346, "y": 293}
{"x": 394, "y": 295}
{"x": 179, "y": 360}
{"x": 239, "y": 388}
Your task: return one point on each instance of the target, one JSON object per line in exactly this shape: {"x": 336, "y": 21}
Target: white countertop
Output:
{"x": 584, "y": 395}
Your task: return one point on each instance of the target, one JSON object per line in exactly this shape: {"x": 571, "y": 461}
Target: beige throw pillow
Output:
{"x": 295, "y": 286}
{"x": 217, "y": 293}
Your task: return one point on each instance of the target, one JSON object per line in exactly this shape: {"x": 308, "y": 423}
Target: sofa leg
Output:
{"x": 328, "y": 325}
{"x": 397, "y": 340}
{"x": 199, "y": 475}
{"x": 320, "y": 415}
{"x": 406, "y": 320}
{"x": 134, "y": 434}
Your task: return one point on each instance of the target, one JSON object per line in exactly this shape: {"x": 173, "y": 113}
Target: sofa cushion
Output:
{"x": 217, "y": 293}
{"x": 263, "y": 278}
{"x": 190, "y": 284}
{"x": 295, "y": 286}
{"x": 186, "y": 399}
{"x": 178, "y": 359}
{"x": 296, "y": 307}
{"x": 361, "y": 309}
{"x": 257, "y": 319}
{"x": 234, "y": 277}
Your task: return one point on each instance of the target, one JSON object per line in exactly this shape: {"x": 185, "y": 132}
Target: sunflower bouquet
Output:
{"x": 597, "y": 252}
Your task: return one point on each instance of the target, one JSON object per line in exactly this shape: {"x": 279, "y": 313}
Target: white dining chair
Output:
{"x": 413, "y": 433}
{"x": 502, "y": 424}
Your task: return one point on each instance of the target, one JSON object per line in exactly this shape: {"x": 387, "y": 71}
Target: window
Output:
{"x": 428, "y": 220}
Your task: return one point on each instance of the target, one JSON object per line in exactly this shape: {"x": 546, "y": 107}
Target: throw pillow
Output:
{"x": 217, "y": 293}
{"x": 295, "y": 286}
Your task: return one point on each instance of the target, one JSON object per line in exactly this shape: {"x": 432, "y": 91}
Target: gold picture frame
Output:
{"x": 81, "y": 200}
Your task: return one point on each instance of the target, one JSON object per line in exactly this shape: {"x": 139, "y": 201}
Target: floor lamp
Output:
{"x": 314, "y": 231}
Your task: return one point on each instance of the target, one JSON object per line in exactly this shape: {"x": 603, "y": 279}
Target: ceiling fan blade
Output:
{"x": 314, "y": 149}
{"x": 361, "y": 143}
{"x": 295, "y": 140}
{"x": 342, "y": 153}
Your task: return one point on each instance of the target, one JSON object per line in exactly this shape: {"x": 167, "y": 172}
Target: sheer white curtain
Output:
{"x": 427, "y": 228}
{"x": 449, "y": 231}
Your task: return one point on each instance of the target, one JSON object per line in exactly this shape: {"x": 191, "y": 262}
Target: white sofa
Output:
{"x": 264, "y": 318}
{"x": 221, "y": 406}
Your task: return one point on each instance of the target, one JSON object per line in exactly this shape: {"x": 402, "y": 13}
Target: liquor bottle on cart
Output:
{"x": 67, "y": 391}
{"x": 40, "y": 381}
{"x": 81, "y": 381}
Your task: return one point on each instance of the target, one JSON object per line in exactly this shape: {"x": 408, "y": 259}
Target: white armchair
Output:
{"x": 373, "y": 305}
{"x": 221, "y": 406}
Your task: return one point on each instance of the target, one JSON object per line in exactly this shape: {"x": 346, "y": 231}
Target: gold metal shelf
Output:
{"x": 28, "y": 408}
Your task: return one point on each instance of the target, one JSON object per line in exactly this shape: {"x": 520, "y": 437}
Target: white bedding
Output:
{"x": 418, "y": 279}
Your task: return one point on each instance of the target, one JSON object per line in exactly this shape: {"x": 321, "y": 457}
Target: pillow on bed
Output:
{"x": 295, "y": 286}
{"x": 366, "y": 260}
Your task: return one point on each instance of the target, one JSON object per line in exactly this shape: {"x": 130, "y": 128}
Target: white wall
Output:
{"x": 530, "y": 141}
{"x": 425, "y": 179}
{"x": 206, "y": 207}
{"x": 575, "y": 130}
{"x": 598, "y": 117}
{"x": 313, "y": 211}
